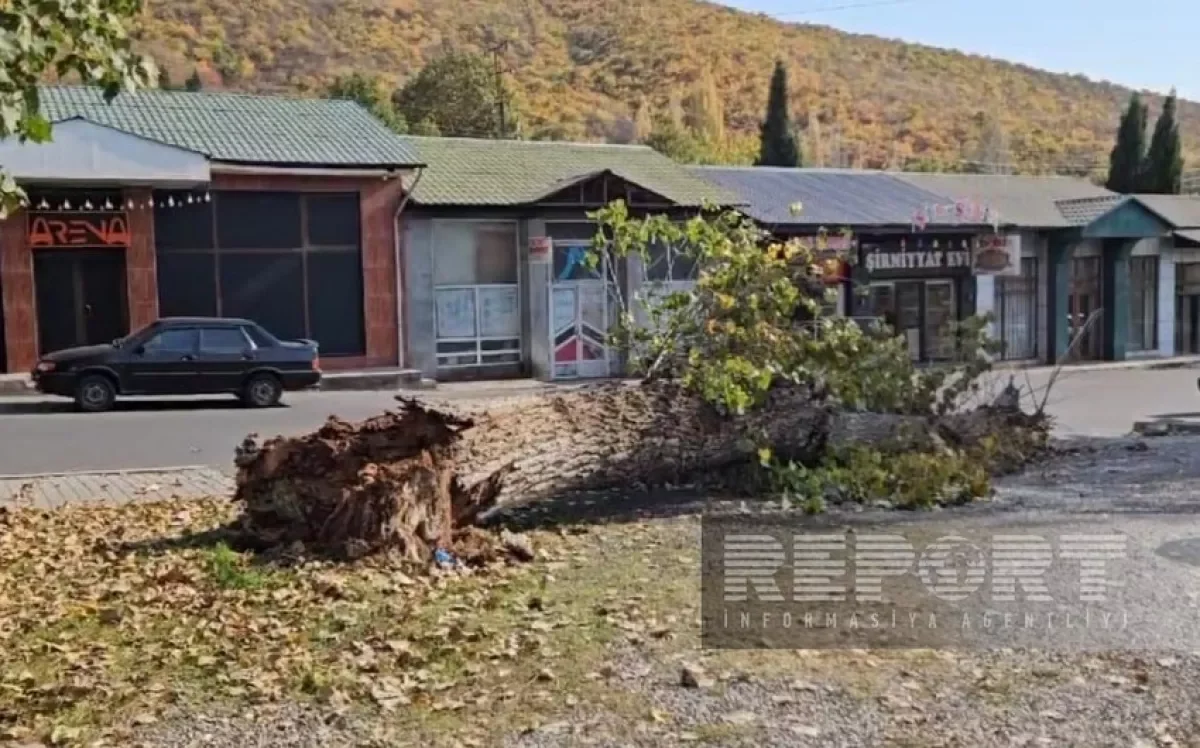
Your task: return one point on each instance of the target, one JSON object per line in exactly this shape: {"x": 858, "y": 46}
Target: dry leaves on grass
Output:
{"x": 111, "y": 615}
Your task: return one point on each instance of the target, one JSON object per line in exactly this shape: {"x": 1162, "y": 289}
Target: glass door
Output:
{"x": 940, "y": 315}
{"x": 908, "y": 315}
{"x": 1082, "y": 301}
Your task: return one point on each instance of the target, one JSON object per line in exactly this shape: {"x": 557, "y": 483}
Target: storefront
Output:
{"x": 146, "y": 207}
{"x": 919, "y": 286}
{"x": 496, "y": 253}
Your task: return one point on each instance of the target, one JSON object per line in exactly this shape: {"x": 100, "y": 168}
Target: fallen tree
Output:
{"x": 731, "y": 379}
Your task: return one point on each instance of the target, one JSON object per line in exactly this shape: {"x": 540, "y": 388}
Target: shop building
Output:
{"x": 166, "y": 203}
{"x": 1133, "y": 262}
{"x": 928, "y": 249}
{"x": 494, "y": 244}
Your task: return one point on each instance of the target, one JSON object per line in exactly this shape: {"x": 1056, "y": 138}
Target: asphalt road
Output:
{"x": 40, "y": 435}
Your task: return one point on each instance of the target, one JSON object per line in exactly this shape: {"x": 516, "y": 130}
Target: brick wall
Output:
{"x": 16, "y": 281}
{"x": 141, "y": 273}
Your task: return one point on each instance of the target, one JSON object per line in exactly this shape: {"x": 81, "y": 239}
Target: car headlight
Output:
{"x": 45, "y": 366}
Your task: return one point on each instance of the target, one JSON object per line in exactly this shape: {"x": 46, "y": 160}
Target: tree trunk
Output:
{"x": 416, "y": 480}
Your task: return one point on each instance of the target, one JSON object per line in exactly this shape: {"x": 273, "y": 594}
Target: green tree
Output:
{"x": 370, "y": 93}
{"x": 193, "y": 83}
{"x": 778, "y": 146}
{"x": 705, "y": 112}
{"x": 1163, "y": 169}
{"x": 459, "y": 94}
{"x": 1128, "y": 153}
{"x": 675, "y": 142}
{"x": 65, "y": 37}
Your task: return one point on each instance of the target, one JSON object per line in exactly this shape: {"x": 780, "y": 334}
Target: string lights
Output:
{"x": 167, "y": 203}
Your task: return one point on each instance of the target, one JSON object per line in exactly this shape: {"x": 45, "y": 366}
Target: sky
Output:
{"x": 1146, "y": 44}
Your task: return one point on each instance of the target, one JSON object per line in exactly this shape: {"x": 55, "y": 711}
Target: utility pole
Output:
{"x": 502, "y": 124}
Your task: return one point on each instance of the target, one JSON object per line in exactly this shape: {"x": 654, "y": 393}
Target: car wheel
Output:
{"x": 262, "y": 391}
{"x": 95, "y": 394}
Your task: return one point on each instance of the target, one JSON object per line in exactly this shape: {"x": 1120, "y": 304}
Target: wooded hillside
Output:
{"x": 581, "y": 69}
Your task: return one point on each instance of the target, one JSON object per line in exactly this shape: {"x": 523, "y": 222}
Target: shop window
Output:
{"x": 290, "y": 261}
{"x": 258, "y": 220}
{"x": 1017, "y": 312}
{"x": 335, "y": 291}
{"x": 184, "y": 226}
{"x": 266, "y": 287}
{"x": 669, "y": 264}
{"x": 477, "y": 302}
{"x": 333, "y": 220}
{"x": 1143, "y": 303}
{"x": 187, "y": 284}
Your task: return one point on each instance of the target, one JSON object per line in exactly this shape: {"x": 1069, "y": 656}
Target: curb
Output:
{"x": 117, "y": 471}
{"x": 1150, "y": 364}
{"x": 16, "y": 386}
{"x": 1165, "y": 427}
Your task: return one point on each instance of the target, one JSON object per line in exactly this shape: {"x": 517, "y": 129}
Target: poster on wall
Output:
{"x": 499, "y": 315}
{"x": 997, "y": 254}
{"x": 540, "y": 248}
{"x": 455, "y": 313}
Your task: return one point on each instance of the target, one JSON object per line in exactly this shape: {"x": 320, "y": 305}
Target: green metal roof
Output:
{"x": 241, "y": 128}
{"x": 465, "y": 171}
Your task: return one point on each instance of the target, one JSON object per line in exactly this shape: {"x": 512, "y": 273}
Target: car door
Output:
{"x": 165, "y": 364}
{"x": 225, "y": 355}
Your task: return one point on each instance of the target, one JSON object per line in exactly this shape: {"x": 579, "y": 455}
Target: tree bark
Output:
{"x": 416, "y": 480}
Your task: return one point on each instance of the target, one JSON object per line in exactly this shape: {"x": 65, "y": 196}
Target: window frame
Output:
{"x": 479, "y": 349}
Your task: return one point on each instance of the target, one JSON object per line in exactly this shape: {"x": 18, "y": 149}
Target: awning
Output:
{"x": 83, "y": 151}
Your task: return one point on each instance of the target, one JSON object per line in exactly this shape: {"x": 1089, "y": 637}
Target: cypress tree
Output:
{"x": 778, "y": 146}
{"x": 1128, "y": 154}
{"x": 1163, "y": 170}
{"x": 193, "y": 83}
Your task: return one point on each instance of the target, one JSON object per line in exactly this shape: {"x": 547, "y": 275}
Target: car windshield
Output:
{"x": 139, "y": 333}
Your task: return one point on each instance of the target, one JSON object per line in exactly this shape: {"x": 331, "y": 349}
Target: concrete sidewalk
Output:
{"x": 50, "y": 491}
{"x": 367, "y": 380}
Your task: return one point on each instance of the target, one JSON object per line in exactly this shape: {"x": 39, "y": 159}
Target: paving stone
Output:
{"x": 58, "y": 490}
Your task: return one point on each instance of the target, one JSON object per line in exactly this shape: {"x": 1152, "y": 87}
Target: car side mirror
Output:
{"x": 139, "y": 351}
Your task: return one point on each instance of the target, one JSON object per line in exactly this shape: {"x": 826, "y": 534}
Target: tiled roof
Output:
{"x": 241, "y": 128}
{"x": 1025, "y": 201}
{"x": 1082, "y": 211}
{"x": 467, "y": 171}
{"x": 1181, "y": 211}
{"x": 827, "y": 197}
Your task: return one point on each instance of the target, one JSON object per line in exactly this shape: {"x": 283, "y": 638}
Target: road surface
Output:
{"x": 40, "y": 435}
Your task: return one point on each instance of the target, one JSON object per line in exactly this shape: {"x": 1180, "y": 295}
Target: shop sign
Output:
{"x": 540, "y": 250}
{"x": 78, "y": 230}
{"x": 935, "y": 259}
{"x": 998, "y": 254}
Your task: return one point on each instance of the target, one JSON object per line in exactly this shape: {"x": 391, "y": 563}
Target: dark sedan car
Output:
{"x": 182, "y": 356}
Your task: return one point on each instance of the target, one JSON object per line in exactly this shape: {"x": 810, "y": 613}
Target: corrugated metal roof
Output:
{"x": 1181, "y": 211}
{"x": 240, "y": 128}
{"x": 1025, "y": 201}
{"x": 469, "y": 171}
{"x": 1082, "y": 211}
{"x": 827, "y": 197}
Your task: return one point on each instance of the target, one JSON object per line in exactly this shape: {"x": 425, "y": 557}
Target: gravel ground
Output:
{"x": 877, "y": 698}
